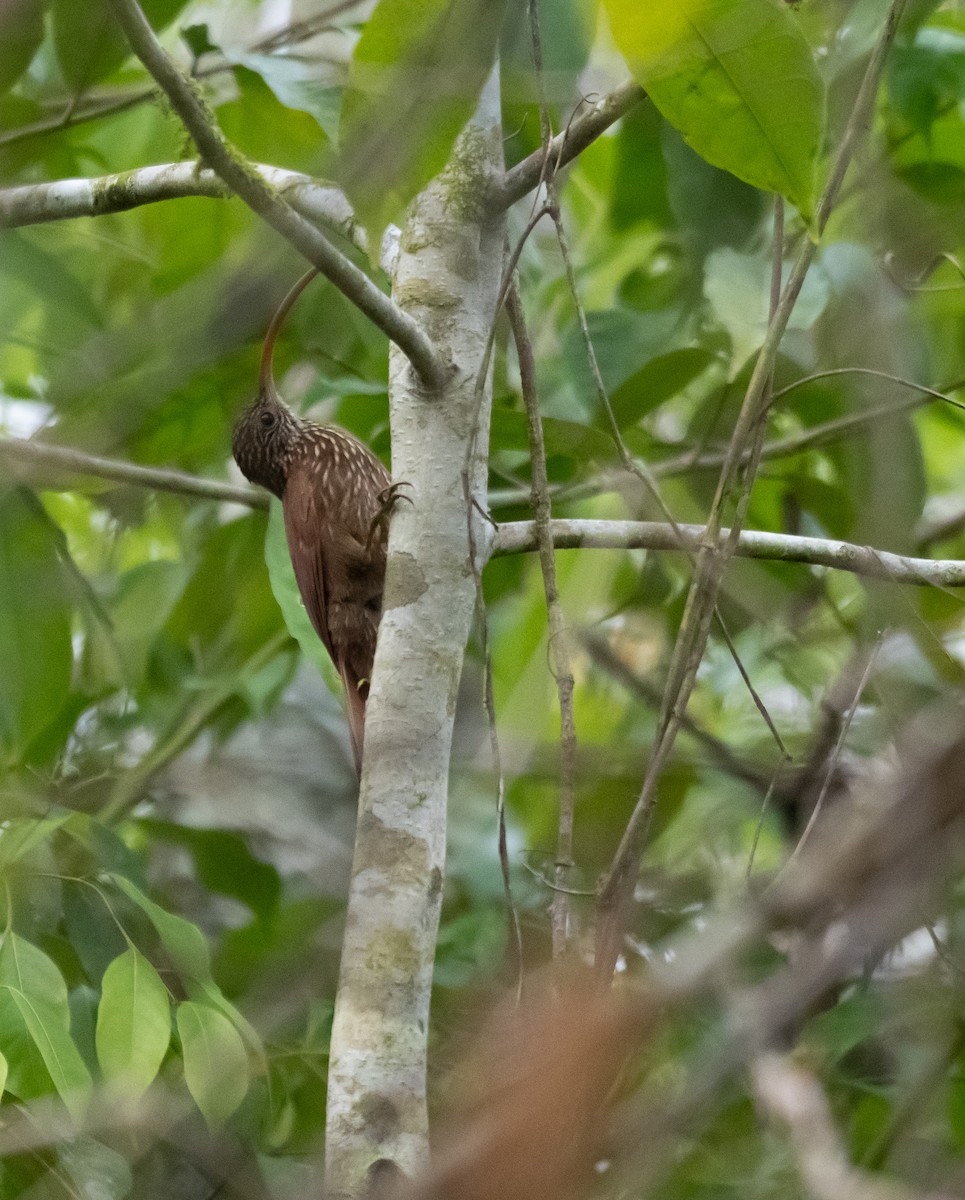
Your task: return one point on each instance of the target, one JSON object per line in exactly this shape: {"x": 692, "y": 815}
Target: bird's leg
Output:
{"x": 388, "y": 498}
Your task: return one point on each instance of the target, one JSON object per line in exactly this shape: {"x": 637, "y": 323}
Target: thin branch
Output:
{"x": 489, "y": 702}
{"x": 578, "y": 134}
{"x": 515, "y": 537}
{"x": 558, "y": 633}
{"x": 252, "y": 189}
{"x": 795, "y": 443}
{"x": 21, "y": 452}
{"x": 835, "y": 754}
{"x": 66, "y": 199}
{"x": 714, "y": 549}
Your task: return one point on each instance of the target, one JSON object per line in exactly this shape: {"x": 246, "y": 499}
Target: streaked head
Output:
{"x": 264, "y": 440}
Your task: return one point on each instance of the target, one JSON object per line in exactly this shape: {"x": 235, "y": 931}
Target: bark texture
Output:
{"x": 447, "y": 279}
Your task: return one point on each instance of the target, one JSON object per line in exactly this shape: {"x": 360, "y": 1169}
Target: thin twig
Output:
{"x": 838, "y": 747}
{"x": 17, "y": 452}
{"x": 559, "y": 638}
{"x": 251, "y": 188}
{"x": 512, "y": 915}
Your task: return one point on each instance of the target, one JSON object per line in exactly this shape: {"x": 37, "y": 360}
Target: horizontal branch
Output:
{"x": 574, "y": 139}
{"x": 67, "y": 199}
{"x": 515, "y": 537}
{"x": 61, "y": 460}
{"x": 248, "y": 184}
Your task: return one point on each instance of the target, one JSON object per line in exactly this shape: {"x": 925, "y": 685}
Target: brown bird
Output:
{"x": 335, "y": 496}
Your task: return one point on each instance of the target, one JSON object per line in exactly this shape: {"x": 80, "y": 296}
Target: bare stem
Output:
{"x": 558, "y": 633}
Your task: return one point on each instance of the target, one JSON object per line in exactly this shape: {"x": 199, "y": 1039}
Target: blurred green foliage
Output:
{"x": 176, "y": 815}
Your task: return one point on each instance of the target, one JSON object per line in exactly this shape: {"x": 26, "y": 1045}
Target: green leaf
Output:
{"x": 510, "y": 431}
{"x": 3, "y": 1074}
{"x": 37, "y": 990}
{"x": 658, "y": 381}
{"x": 184, "y": 942}
{"x": 416, "y": 75}
{"x": 738, "y": 288}
{"x": 89, "y": 42}
{"x": 35, "y": 647}
{"x": 737, "y": 78}
{"x": 21, "y": 32}
{"x": 215, "y": 1062}
{"x": 20, "y": 835}
{"x": 133, "y": 1023}
{"x": 225, "y": 864}
{"x": 307, "y": 85}
{"x": 99, "y": 1172}
{"x": 283, "y": 584}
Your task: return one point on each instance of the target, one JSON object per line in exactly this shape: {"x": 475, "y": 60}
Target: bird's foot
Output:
{"x": 388, "y": 498}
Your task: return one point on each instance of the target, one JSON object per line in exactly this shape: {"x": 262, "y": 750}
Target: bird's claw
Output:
{"x": 388, "y": 498}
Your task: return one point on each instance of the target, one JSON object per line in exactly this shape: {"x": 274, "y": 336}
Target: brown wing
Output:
{"x": 304, "y": 528}
{"x": 339, "y": 568}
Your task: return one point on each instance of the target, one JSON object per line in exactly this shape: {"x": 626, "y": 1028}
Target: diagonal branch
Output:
{"x": 574, "y": 139}
{"x": 248, "y": 184}
{"x": 27, "y": 455}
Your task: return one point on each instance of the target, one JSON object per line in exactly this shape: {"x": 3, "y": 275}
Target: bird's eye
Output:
{"x": 267, "y": 419}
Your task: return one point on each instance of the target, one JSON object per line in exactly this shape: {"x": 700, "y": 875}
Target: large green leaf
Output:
{"x": 21, "y": 32}
{"x": 89, "y": 42}
{"x": 35, "y": 647}
{"x": 416, "y": 76}
{"x": 38, "y": 992}
{"x": 133, "y": 1023}
{"x": 225, "y": 864}
{"x": 303, "y": 84}
{"x": 215, "y": 1062}
{"x": 184, "y": 942}
{"x": 738, "y": 80}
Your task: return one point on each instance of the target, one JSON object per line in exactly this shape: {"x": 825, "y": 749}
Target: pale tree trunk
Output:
{"x": 447, "y": 278}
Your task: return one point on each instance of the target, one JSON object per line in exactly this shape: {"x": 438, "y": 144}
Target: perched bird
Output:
{"x": 336, "y": 496}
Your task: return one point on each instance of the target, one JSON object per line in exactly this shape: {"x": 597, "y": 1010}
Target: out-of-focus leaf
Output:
{"x": 215, "y": 1062}
{"x": 35, "y": 647}
{"x": 89, "y": 42}
{"x": 37, "y": 990}
{"x": 184, "y": 942}
{"x": 255, "y": 120}
{"x": 21, "y": 32}
{"x": 198, "y": 39}
{"x": 3, "y": 1074}
{"x": 416, "y": 76}
{"x": 227, "y": 604}
{"x": 657, "y": 381}
{"x": 98, "y": 1172}
{"x": 569, "y": 439}
{"x": 225, "y": 864}
{"x": 144, "y": 598}
{"x": 927, "y": 78}
{"x": 285, "y": 589}
{"x": 737, "y": 78}
{"x": 737, "y": 287}
{"x": 133, "y": 1023}
{"x": 308, "y": 86}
